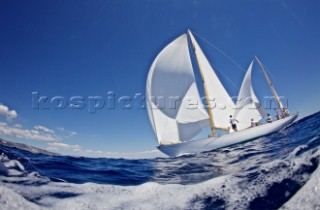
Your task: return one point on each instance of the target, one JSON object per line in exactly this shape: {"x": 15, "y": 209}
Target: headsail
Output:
{"x": 170, "y": 88}
{"x": 222, "y": 103}
{"x": 248, "y": 106}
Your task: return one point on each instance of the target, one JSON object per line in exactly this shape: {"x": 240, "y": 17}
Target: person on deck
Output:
{"x": 269, "y": 118}
{"x": 278, "y": 115}
{"x": 253, "y": 123}
{"x": 286, "y": 112}
{"x": 233, "y": 123}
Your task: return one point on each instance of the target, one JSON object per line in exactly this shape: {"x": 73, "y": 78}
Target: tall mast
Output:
{"x": 205, "y": 88}
{"x": 271, "y": 86}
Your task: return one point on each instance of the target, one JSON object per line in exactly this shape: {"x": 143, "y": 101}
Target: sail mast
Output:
{"x": 271, "y": 86}
{"x": 205, "y": 89}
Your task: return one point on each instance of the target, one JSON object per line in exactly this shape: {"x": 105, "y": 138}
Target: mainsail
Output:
{"x": 248, "y": 106}
{"x": 174, "y": 106}
{"x": 221, "y": 102}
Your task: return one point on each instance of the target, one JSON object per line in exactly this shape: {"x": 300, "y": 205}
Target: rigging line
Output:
{"x": 266, "y": 69}
{"x": 222, "y": 52}
{"x": 223, "y": 74}
{"x": 228, "y": 78}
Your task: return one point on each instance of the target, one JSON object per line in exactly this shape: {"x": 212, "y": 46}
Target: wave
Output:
{"x": 277, "y": 171}
{"x": 242, "y": 190}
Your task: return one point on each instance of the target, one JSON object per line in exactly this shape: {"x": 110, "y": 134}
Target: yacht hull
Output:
{"x": 212, "y": 143}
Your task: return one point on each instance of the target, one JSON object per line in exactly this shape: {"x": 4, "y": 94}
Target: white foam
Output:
{"x": 308, "y": 197}
{"x": 11, "y": 200}
{"x": 146, "y": 196}
{"x": 10, "y": 167}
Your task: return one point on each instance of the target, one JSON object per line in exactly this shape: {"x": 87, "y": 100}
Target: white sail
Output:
{"x": 173, "y": 101}
{"x": 248, "y": 106}
{"x": 222, "y": 104}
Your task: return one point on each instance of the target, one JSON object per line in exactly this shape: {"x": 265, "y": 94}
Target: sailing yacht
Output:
{"x": 177, "y": 113}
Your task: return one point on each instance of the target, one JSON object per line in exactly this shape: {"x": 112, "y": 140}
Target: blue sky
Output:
{"x": 88, "y": 48}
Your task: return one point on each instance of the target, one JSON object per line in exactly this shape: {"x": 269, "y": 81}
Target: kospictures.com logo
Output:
{"x": 138, "y": 101}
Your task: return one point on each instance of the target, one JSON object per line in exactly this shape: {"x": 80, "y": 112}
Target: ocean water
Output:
{"x": 277, "y": 171}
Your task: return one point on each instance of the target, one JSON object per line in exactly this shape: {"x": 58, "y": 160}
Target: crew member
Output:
{"x": 233, "y": 123}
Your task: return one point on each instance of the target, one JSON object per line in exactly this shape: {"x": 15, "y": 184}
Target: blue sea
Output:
{"x": 277, "y": 171}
